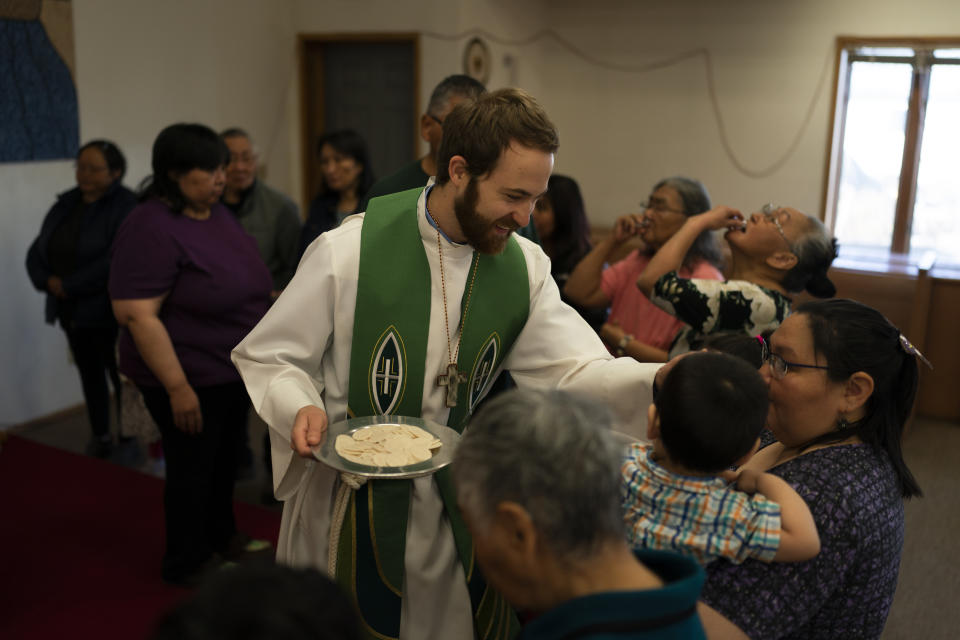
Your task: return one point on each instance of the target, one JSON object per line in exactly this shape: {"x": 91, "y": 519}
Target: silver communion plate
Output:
{"x": 326, "y": 453}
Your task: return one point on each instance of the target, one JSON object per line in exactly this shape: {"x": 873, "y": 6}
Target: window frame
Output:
{"x": 846, "y": 54}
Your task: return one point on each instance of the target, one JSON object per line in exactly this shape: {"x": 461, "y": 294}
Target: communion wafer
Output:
{"x": 388, "y": 445}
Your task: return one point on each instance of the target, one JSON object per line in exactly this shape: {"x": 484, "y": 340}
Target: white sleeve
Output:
{"x": 557, "y": 349}
{"x": 283, "y": 359}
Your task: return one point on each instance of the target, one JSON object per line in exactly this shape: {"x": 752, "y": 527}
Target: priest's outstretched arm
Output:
{"x": 557, "y": 349}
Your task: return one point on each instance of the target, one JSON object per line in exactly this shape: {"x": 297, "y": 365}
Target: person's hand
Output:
{"x": 662, "y": 372}
{"x": 748, "y": 479}
{"x": 729, "y": 475}
{"x": 611, "y": 333}
{"x": 721, "y": 217}
{"x": 626, "y": 227}
{"x": 308, "y": 427}
{"x": 55, "y": 287}
{"x": 186, "y": 409}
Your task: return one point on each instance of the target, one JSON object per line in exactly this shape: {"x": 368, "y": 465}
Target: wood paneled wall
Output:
{"x": 926, "y": 315}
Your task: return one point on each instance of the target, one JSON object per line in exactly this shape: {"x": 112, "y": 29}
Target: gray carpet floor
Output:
{"x": 927, "y": 603}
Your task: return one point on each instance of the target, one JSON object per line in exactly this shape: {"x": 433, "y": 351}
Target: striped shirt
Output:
{"x": 697, "y": 516}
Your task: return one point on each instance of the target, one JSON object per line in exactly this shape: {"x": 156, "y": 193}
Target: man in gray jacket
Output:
{"x": 274, "y": 222}
{"x": 268, "y": 215}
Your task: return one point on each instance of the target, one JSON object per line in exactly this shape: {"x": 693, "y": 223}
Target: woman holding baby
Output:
{"x": 842, "y": 381}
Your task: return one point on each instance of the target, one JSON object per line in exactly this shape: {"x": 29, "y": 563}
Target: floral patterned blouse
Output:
{"x": 711, "y": 306}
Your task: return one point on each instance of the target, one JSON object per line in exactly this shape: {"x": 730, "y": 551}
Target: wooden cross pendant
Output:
{"x": 450, "y": 380}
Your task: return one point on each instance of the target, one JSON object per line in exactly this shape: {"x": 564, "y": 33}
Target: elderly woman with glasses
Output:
{"x": 842, "y": 381}
{"x": 774, "y": 252}
{"x": 636, "y": 327}
{"x": 69, "y": 261}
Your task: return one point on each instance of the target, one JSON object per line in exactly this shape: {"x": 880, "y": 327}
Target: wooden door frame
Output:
{"x": 306, "y": 39}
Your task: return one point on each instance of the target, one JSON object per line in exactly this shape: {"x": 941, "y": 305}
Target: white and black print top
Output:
{"x": 711, "y": 306}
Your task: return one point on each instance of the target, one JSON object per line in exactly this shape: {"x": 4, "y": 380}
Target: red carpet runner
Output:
{"x": 80, "y": 545}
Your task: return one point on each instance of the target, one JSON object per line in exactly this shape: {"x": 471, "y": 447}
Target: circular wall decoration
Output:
{"x": 476, "y": 60}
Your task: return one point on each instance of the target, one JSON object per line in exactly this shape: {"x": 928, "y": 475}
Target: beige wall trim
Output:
{"x": 50, "y": 418}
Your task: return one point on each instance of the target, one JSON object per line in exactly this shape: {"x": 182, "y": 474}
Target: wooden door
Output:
{"x": 365, "y": 83}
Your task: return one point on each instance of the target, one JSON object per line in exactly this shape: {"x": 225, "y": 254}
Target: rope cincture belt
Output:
{"x": 348, "y": 482}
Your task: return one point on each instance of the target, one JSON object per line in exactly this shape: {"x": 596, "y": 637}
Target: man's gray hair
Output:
{"x": 457, "y": 85}
{"x": 235, "y": 132}
{"x": 553, "y": 454}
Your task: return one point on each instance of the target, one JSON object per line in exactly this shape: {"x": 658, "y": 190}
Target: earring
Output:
{"x": 842, "y": 424}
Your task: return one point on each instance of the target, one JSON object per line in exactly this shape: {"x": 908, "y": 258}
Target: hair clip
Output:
{"x": 912, "y": 350}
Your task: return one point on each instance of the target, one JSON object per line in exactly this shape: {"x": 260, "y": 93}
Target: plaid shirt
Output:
{"x": 696, "y": 516}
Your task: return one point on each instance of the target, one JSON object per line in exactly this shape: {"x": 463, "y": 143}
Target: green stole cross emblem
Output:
{"x": 387, "y": 372}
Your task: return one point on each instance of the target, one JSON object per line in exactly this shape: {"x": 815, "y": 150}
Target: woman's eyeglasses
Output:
{"x": 773, "y": 213}
{"x": 778, "y": 366}
{"x": 657, "y": 207}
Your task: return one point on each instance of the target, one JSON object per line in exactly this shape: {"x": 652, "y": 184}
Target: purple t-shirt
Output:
{"x": 218, "y": 286}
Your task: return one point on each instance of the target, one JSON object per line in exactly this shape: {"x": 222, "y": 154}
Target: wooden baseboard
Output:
{"x": 51, "y": 418}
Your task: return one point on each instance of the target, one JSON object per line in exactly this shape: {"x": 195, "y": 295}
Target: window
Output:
{"x": 894, "y": 177}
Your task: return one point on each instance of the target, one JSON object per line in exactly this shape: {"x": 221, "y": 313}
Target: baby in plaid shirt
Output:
{"x": 706, "y": 417}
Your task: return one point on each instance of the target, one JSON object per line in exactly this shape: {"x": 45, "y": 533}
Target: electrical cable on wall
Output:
{"x": 661, "y": 64}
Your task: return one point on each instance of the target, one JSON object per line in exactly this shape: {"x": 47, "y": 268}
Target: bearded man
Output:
{"x": 413, "y": 308}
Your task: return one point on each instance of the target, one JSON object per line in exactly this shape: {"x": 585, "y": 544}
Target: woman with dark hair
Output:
{"x": 561, "y": 223}
{"x": 70, "y": 260}
{"x": 187, "y": 284}
{"x": 636, "y": 327}
{"x": 346, "y": 178}
{"x": 842, "y": 382}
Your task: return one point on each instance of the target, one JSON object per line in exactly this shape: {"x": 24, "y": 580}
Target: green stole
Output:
{"x": 387, "y": 370}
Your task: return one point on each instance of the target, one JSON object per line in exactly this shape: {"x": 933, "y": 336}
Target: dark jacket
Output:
{"x": 322, "y": 218}
{"x": 274, "y": 222}
{"x": 86, "y": 287}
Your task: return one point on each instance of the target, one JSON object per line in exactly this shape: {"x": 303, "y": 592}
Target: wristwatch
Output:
{"x": 622, "y": 346}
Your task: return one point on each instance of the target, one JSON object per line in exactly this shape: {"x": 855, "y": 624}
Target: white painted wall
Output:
{"x": 35, "y": 377}
{"x": 143, "y": 64}
{"x": 621, "y": 132}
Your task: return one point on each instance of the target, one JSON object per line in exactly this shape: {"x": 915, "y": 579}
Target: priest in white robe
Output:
{"x": 296, "y": 363}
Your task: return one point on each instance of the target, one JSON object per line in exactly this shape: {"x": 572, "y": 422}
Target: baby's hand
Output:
{"x": 747, "y": 480}
{"x": 729, "y": 476}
